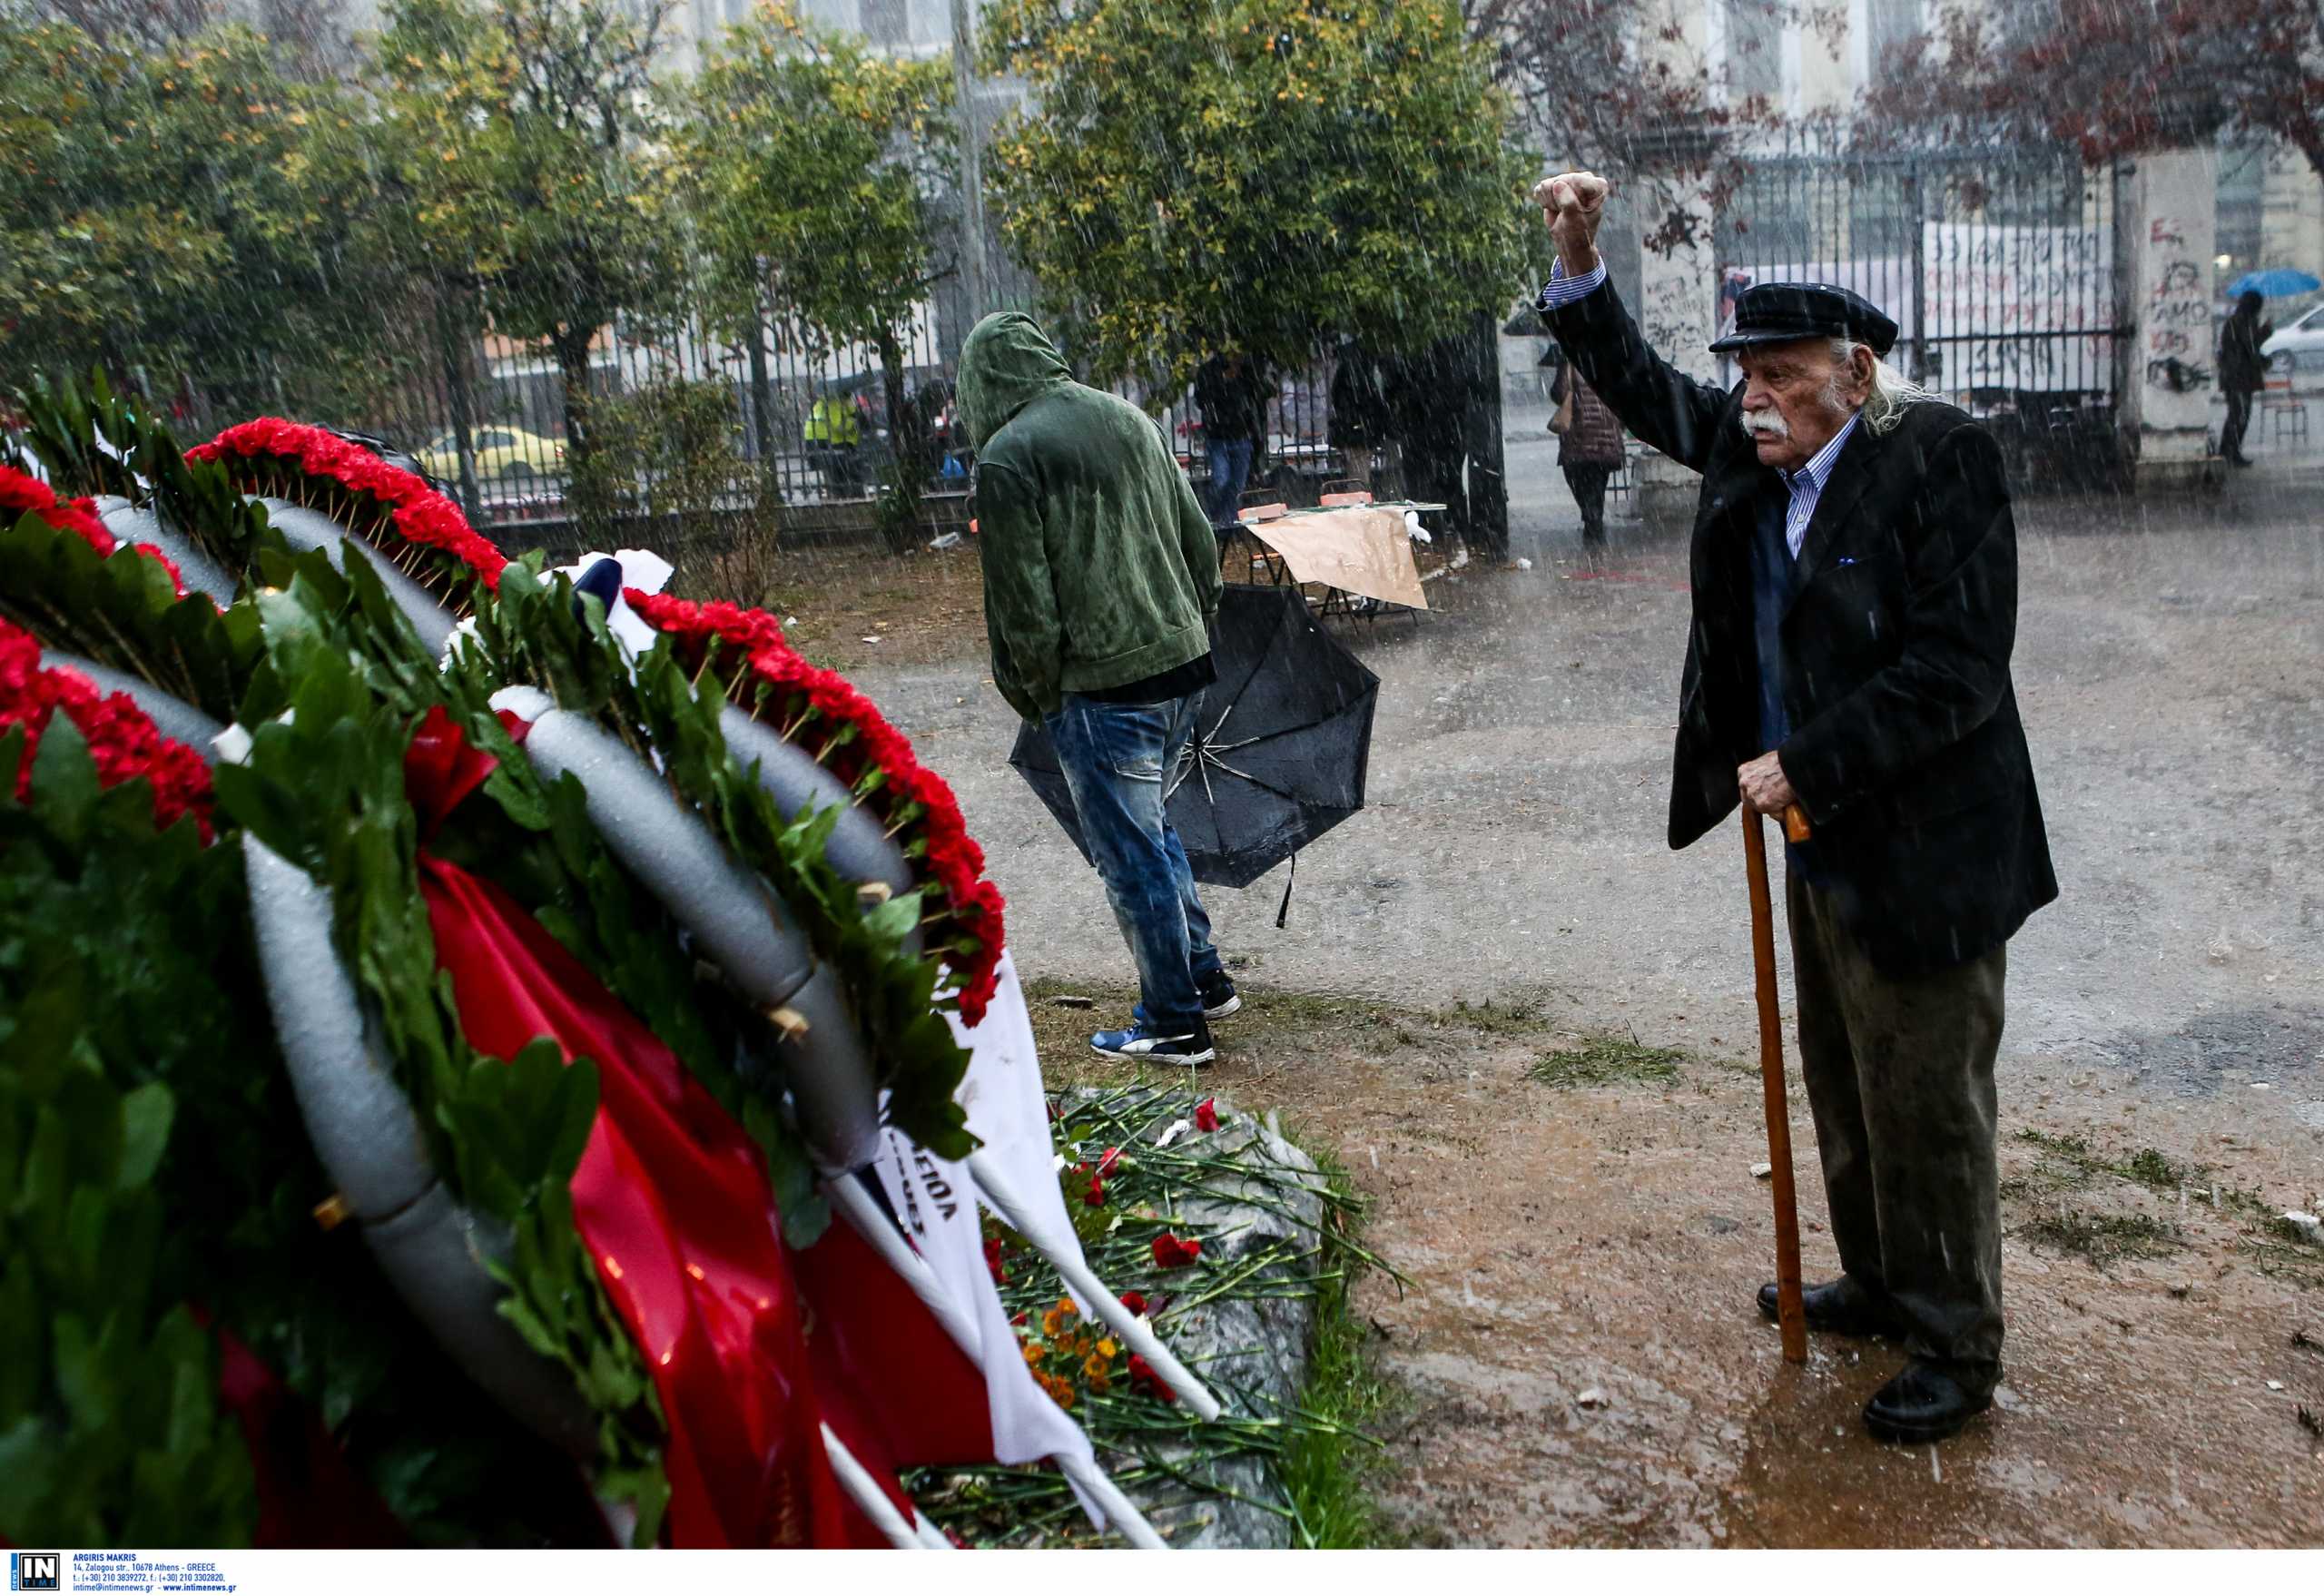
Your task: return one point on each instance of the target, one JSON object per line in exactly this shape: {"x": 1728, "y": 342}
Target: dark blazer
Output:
{"x": 2242, "y": 369}
{"x": 1906, "y": 750}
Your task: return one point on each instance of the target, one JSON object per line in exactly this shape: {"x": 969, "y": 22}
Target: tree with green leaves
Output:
{"x": 523, "y": 142}
{"x": 1194, "y": 173}
{"x": 816, "y": 167}
{"x": 683, "y": 441}
{"x": 182, "y": 216}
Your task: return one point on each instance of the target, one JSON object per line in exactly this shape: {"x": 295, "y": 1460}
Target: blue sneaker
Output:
{"x": 1141, "y": 1043}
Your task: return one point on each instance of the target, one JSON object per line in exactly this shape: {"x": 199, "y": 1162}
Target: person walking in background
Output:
{"x": 1437, "y": 400}
{"x": 1232, "y": 395}
{"x": 2242, "y": 372}
{"x": 1359, "y": 420}
{"x": 1590, "y": 450}
{"x": 1100, "y": 582}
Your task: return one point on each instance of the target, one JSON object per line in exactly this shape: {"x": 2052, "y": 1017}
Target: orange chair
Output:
{"x": 2283, "y": 411}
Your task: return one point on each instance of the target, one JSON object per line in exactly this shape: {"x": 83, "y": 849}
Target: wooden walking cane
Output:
{"x": 1789, "y": 1312}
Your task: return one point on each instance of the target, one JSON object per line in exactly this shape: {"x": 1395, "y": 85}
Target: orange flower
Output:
{"x": 1107, "y": 1349}
{"x": 1035, "y": 1352}
{"x": 1100, "y": 1385}
{"x": 1065, "y": 1308}
{"x": 1052, "y": 1324}
{"x": 1094, "y": 1367}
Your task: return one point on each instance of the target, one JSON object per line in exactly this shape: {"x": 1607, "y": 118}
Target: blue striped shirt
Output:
{"x": 1806, "y": 484}
{"x": 1561, "y": 290}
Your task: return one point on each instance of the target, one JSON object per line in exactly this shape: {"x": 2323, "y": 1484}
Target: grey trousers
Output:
{"x": 1900, "y": 1076}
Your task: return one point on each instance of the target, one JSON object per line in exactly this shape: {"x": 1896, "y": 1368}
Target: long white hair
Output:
{"x": 1891, "y": 393}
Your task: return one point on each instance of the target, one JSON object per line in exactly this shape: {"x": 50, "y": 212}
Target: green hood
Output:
{"x": 1005, "y": 366}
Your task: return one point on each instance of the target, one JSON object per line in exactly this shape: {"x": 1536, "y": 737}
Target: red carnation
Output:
{"x": 436, "y": 523}
{"x": 404, "y": 506}
{"x": 177, "y": 577}
{"x": 1206, "y": 1114}
{"x": 980, "y": 970}
{"x": 1096, "y": 1195}
{"x": 822, "y": 714}
{"x": 20, "y": 493}
{"x": 743, "y": 631}
{"x": 1142, "y": 1379}
{"x": 1135, "y": 1301}
{"x": 1172, "y": 1252}
{"x": 993, "y": 1260}
{"x": 123, "y": 741}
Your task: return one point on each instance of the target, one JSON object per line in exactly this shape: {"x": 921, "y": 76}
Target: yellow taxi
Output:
{"x": 503, "y": 453}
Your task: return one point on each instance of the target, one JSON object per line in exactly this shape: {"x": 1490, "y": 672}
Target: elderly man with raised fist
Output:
{"x": 1855, "y": 581}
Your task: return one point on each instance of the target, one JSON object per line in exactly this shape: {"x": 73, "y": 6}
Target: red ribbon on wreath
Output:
{"x": 671, "y": 1198}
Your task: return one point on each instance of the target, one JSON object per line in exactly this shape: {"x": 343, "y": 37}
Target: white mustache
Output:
{"x": 1766, "y": 424}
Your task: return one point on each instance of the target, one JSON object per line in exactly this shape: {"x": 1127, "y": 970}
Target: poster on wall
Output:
{"x": 2028, "y": 308}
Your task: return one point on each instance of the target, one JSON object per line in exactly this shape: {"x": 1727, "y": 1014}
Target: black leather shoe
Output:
{"x": 1925, "y": 1403}
{"x": 1839, "y": 1307}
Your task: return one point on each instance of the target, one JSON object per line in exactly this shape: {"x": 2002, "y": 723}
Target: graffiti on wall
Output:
{"x": 2024, "y": 307}
{"x": 1677, "y": 316}
{"x": 2178, "y": 311}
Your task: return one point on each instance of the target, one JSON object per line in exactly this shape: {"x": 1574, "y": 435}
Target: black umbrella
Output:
{"x": 1279, "y": 748}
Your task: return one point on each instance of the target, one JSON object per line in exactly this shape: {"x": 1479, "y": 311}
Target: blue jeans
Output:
{"x": 1230, "y": 467}
{"x": 1116, "y": 759}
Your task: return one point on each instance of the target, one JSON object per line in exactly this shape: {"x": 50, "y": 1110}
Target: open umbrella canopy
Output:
{"x": 2277, "y": 283}
{"x": 1279, "y": 748}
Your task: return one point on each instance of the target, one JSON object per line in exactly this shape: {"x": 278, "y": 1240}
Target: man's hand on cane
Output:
{"x": 1573, "y": 203}
{"x": 1763, "y": 787}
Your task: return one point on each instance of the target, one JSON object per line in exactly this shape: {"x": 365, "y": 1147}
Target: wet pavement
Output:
{"x": 1606, "y": 1241}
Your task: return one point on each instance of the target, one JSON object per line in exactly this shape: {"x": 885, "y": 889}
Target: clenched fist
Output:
{"x": 1573, "y": 203}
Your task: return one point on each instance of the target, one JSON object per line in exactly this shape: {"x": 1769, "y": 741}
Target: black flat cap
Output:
{"x": 1783, "y": 312}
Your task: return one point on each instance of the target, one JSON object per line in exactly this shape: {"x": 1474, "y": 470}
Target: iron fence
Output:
{"x": 1998, "y": 266}
{"x": 642, "y": 381}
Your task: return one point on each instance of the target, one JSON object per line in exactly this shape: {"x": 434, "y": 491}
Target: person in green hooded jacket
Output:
{"x": 1100, "y": 582}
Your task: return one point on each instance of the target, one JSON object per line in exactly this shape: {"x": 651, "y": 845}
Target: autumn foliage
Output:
{"x": 2115, "y": 77}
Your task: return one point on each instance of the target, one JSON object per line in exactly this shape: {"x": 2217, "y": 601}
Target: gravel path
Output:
{"x": 1604, "y": 1240}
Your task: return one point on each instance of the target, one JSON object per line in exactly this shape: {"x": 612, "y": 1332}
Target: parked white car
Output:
{"x": 2297, "y": 349}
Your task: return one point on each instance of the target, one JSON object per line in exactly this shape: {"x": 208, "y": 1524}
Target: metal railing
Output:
{"x": 1998, "y": 266}
{"x": 645, "y": 383}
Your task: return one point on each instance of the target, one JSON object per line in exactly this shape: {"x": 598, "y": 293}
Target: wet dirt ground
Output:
{"x": 1575, "y": 1350}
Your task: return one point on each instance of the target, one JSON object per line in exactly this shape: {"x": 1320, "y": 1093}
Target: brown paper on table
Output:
{"x": 1362, "y": 549}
